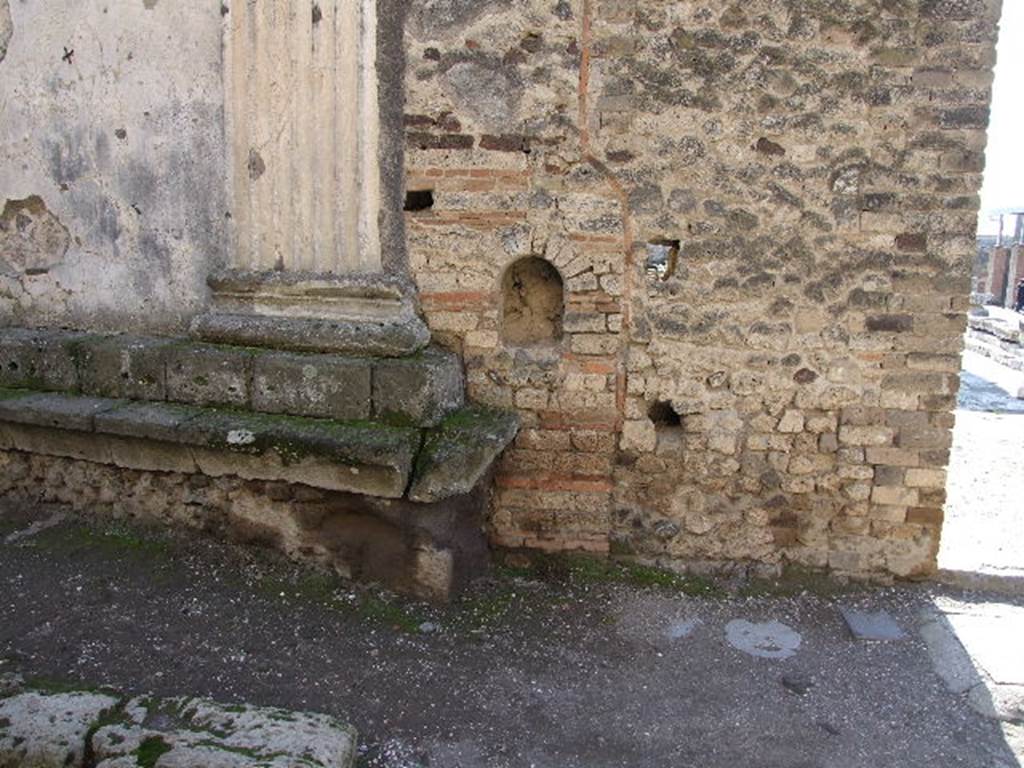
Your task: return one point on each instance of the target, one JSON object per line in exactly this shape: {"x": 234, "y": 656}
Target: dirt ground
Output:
{"x": 984, "y": 527}
{"x": 575, "y": 664}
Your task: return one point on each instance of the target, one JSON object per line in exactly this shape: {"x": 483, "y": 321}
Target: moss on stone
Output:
{"x": 295, "y": 438}
{"x": 150, "y": 751}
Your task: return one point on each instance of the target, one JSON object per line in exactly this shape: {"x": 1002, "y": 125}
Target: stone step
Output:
{"x": 416, "y": 390}
{"x": 368, "y": 458}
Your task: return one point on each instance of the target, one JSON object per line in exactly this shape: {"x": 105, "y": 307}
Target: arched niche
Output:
{"x": 532, "y": 303}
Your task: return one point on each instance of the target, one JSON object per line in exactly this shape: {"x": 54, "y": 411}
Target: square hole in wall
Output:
{"x": 662, "y": 258}
{"x": 419, "y": 200}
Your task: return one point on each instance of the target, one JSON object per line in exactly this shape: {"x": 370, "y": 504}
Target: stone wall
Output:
{"x": 802, "y": 176}
{"x": 762, "y": 215}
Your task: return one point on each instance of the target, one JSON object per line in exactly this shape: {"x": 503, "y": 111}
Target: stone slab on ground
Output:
{"x": 981, "y": 544}
{"x": 976, "y": 648}
{"x": 49, "y": 730}
{"x": 102, "y": 730}
{"x": 768, "y": 640}
{"x": 878, "y": 626}
{"x": 199, "y": 732}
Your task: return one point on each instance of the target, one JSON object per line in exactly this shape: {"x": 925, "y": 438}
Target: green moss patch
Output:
{"x": 151, "y": 750}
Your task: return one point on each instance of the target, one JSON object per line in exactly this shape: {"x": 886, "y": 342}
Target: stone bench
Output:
{"x": 415, "y": 390}
{"x": 374, "y": 459}
{"x": 374, "y": 466}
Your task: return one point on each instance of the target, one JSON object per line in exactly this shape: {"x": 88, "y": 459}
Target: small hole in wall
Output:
{"x": 662, "y": 257}
{"x": 532, "y": 303}
{"x": 419, "y": 200}
{"x": 664, "y": 415}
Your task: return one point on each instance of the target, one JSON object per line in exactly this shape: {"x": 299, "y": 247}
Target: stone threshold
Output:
{"x": 379, "y": 460}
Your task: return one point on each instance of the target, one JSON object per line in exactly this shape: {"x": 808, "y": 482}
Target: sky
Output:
{"x": 1004, "y": 166}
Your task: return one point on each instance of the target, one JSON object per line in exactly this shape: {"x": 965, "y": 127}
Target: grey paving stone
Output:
{"x": 768, "y": 640}
{"x": 878, "y": 626}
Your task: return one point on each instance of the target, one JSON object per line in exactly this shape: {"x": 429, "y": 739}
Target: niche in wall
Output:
{"x": 533, "y": 302}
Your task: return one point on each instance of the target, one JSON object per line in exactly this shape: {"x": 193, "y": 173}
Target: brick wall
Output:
{"x": 819, "y": 165}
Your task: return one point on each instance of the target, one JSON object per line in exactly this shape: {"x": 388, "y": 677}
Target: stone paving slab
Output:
{"x": 198, "y": 732}
{"x": 877, "y": 626}
{"x": 40, "y": 730}
{"x": 977, "y": 649}
{"x": 69, "y": 729}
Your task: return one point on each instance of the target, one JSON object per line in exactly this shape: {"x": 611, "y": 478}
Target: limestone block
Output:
{"x": 865, "y": 435}
{"x": 458, "y": 453}
{"x": 194, "y": 732}
{"x": 39, "y": 730}
{"x": 312, "y": 385}
{"x": 119, "y": 366}
{"x": 420, "y": 390}
{"x": 54, "y": 410}
{"x": 204, "y": 374}
{"x": 152, "y": 421}
{"x": 372, "y": 338}
{"x": 38, "y": 359}
{"x": 640, "y": 436}
{"x": 792, "y": 421}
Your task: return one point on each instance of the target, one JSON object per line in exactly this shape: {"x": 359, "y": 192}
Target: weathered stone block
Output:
{"x": 312, "y": 385}
{"x": 151, "y": 421}
{"x": 40, "y": 729}
{"x": 204, "y": 374}
{"x": 865, "y": 435}
{"x": 54, "y": 410}
{"x": 38, "y": 359}
{"x": 200, "y": 732}
{"x": 459, "y": 452}
{"x": 120, "y": 366}
{"x": 420, "y": 390}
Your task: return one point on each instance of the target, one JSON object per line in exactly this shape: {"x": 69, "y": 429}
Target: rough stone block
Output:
{"x": 867, "y": 435}
{"x": 420, "y": 390}
{"x": 204, "y": 374}
{"x": 312, "y": 385}
{"x": 315, "y": 335}
{"x": 38, "y": 359}
{"x": 38, "y": 729}
{"x": 200, "y": 732}
{"x": 374, "y": 459}
{"x": 457, "y": 454}
{"x": 122, "y": 366}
